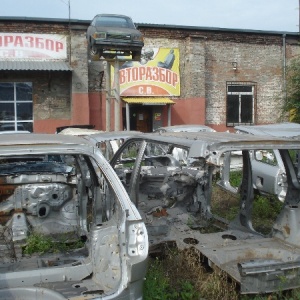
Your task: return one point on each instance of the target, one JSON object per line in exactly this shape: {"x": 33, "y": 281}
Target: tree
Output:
{"x": 292, "y": 90}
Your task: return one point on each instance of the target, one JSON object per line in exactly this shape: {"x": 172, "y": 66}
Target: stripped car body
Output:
{"x": 110, "y": 141}
{"x": 107, "y": 141}
{"x": 175, "y": 199}
{"x": 268, "y": 173}
{"x": 54, "y": 186}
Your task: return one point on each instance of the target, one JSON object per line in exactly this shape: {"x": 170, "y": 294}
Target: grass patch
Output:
{"x": 264, "y": 213}
{"x": 181, "y": 275}
{"x": 226, "y": 204}
{"x": 38, "y": 243}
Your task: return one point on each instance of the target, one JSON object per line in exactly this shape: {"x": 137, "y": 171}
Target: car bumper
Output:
{"x": 134, "y": 46}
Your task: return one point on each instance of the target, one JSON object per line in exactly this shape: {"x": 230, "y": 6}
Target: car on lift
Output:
{"x": 68, "y": 229}
{"x": 182, "y": 205}
{"x": 111, "y": 35}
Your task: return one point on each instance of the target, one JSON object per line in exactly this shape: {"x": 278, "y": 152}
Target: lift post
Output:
{"x": 113, "y": 92}
{"x": 108, "y": 95}
{"x": 117, "y": 94}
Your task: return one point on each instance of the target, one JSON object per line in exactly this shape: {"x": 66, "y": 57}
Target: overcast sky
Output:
{"x": 269, "y": 15}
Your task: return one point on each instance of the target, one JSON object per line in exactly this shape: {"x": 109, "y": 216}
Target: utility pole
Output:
{"x": 69, "y": 6}
{"x": 70, "y": 39}
{"x": 69, "y": 16}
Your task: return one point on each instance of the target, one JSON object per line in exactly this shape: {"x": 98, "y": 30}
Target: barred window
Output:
{"x": 240, "y": 103}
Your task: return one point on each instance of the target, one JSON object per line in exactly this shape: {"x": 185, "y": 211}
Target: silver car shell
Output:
{"x": 110, "y": 141}
{"x": 270, "y": 178}
{"x": 33, "y": 281}
{"x": 253, "y": 260}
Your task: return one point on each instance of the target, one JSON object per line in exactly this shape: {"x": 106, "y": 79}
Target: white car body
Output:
{"x": 61, "y": 186}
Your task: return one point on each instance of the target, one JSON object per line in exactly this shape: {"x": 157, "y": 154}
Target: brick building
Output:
{"x": 225, "y": 77}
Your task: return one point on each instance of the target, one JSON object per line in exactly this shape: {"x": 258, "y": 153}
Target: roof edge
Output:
{"x": 149, "y": 25}
{"x": 188, "y": 27}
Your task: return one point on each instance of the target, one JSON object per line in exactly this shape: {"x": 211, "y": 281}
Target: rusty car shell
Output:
{"x": 62, "y": 186}
{"x": 175, "y": 201}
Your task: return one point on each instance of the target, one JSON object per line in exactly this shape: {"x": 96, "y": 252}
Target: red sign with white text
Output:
{"x": 32, "y": 46}
{"x": 156, "y": 74}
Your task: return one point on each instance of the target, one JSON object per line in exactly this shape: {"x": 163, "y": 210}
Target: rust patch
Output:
{"x": 4, "y": 219}
{"x": 5, "y": 216}
{"x": 249, "y": 254}
{"x": 270, "y": 255}
{"x": 252, "y": 254}
{"x": 287, "y": 229}
{"x": 160, "y": 213}
{"x": 2, "y": 180}
{"x": 6, "y": 191}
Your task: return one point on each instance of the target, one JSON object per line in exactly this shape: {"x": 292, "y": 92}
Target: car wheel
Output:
{"x": 136, "y": 55}
{"x": 109, "y": 55}
{"x": 93, "y": 53}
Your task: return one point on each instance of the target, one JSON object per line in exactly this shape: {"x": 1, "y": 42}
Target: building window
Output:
{"x": 240, "y": 108}
{"x": 16, "y": 113}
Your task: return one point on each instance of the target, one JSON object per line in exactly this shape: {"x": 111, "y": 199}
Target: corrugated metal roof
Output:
{"x": 15, "y": 65}
{"x": 148, "y": 100}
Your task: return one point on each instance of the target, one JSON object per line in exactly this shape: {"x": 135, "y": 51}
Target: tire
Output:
{"x": 93, "y": 53}
{"x": 136, "y": 55}
{"x": 109, "y": 56}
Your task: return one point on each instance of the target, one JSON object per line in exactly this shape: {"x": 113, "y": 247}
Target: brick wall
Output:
{"x": 206, "y": 58}
{"x": 53, "y": 92}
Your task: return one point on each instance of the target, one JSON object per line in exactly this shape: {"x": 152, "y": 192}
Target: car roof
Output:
{"x": 112, "y": 15}
{"x": 185, "y": 127}
{"x": 286, "y": 129}
{"x": 111, "y": 135}
{"x": 201, "y": 143}
{"x": 78, "y": 131}
{"x": 14, "y": 131}
{"x": 39, "y": 139}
